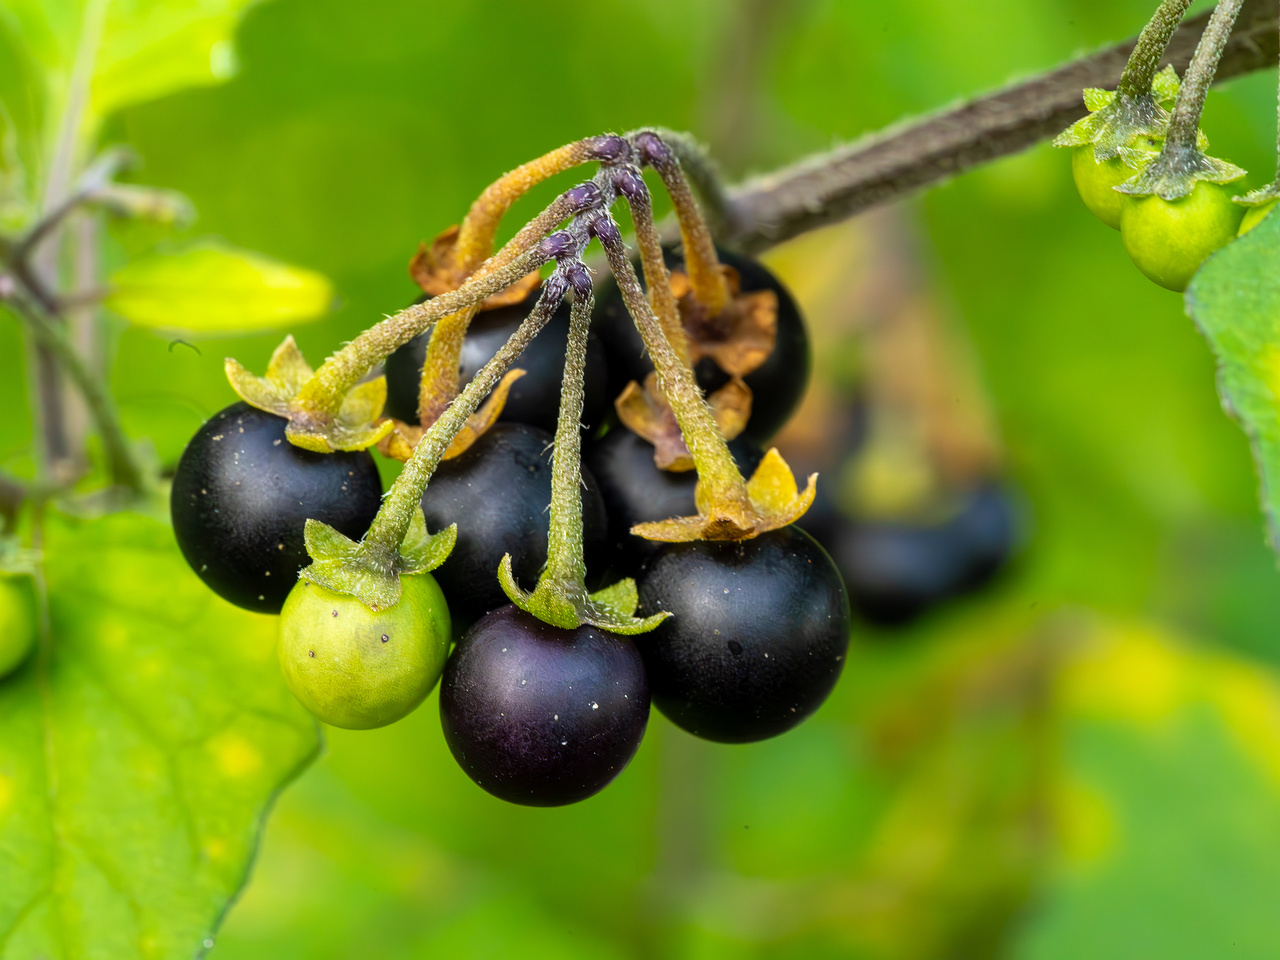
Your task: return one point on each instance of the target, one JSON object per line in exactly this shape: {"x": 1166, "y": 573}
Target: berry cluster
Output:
{"x": 585, "y": 558}
{"x": 1141, "y": 169}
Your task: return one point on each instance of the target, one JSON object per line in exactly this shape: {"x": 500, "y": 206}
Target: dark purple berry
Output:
{"x": 776, "y": 385}
{"x": 535, "y": 397}
{"x": 896, "y": 571}
{"x": 636, "y": 491}
{"x": 539, "y": 715}
{"x": 242, "y": 495}
{"x": 498, "y": 492}
{"x": 758, "y": 637}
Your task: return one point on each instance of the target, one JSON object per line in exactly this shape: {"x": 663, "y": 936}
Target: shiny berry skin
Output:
{"x": 242, "y": 495}
{"x": 636, "y": 491}
{"x": 758, "y": 637}
{"x": 1096, "y": 181}
{"x": 896, "y": 571}
{"x": 1169, "y": 239}
{"x": 17, "y": 622}
{"x": 542, "y": 716}
{"x": 498, "y": 492}
{"x": 535, "y": 397}
{"x": 358, "y": 668}
{"x": 776, "y": 385}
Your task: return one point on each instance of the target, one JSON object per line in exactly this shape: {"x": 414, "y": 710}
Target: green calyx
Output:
{"x": 369, "y": 570}
{"x": 1175, "y": 172}
{"x": 568, "y": 605}
{"x": 1116, "y": 122}
{"x": 560, "y": 597}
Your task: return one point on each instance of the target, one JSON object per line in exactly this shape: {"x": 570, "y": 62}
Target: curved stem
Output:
{"x": 719, "y": 480}
{"x": 324, "y": 392}
{"x": 480, "y": 226}
{"x": 1185, "y": 122}
{"x": 400, "y": 504}
{"x": 1143, "y": 63}
{"x": 656, "y": 277}
{"x": 700, "y": 260}
{"x": 439, "y": 383}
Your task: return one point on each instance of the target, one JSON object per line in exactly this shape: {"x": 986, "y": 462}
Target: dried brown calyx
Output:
{"x": 645, "y": 412}
{"x": 741, "y": 336}
{"x": 438, "y": 269}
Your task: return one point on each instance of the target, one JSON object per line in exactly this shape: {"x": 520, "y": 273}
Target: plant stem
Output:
{"x": 656, "y": 277}
{"x": 1143, "y": 63}
{"x": 702, "y": 172}
{"x": 398, "y": 507}
{"x": 826, "y": 188}
{"x": 480, "y": 226}
{"x": 125, "y": 470}
{"x": 1185, "y": 122}
{"x": 700, "y": 260}
{"x": 441, "y": 365}
{"x": 323, "y": 394}
{"x": 719, "y": 481}
{"x": 566, "y": 566}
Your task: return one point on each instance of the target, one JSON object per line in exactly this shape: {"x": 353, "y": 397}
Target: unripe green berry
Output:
{"x": 17, "y": 622}
{"x": 358, "y": 668}
{"x": 1169, "y": 239}
{"x": 1096, "y": 181}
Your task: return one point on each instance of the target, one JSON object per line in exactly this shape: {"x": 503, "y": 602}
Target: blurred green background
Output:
{"x": 1082, "y": 762}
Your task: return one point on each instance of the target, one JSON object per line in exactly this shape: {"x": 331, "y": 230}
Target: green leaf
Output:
{"x": 151, "y": 48}
{"x": 1235, "y": 301}
{"x": 211, "y": 288}
{"x": 139, "y": 752}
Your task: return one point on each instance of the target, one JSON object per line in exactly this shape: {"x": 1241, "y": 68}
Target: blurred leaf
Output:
{"x": 138, "y": 754}
{"x": 151, "y": 48}
{"x": 66, "y": 64}
{"x": 1168, "y": 805}
{"x": 215, "y": 289}
{"x": 1235, "y": 300}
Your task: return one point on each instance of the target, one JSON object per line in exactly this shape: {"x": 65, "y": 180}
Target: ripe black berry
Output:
{"x": 636, "y": 491}
{"x": 540, "y": 715}
{"x": 758, "y": 637}
{"x": 776, "y": 385}
{"x": 535, "y": 397}
{"x": 498, "y": 493}
{"x": 242, "y": 496}
{"x": 896, "y": 571}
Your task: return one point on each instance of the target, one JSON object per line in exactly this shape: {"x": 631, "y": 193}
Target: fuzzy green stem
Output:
{"x": 322, "y": 396}
{"x": 656, "y": 276}
{"x": 718, "y": 476}
{"x": 703, "y": 173}
{"x": 1185, "y": 122}
{"x": 700, "y": 260}
{"x": 1143, "y": 63}
{"x": 439, "y": 383}
{"x": 398, "y": 507}
{"x": 566, "y": 567}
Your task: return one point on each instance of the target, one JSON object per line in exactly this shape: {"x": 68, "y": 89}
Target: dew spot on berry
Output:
{"x": 275, "y": 443}
{"x": 385, "y": 638}
{"x": 595, "y": 706}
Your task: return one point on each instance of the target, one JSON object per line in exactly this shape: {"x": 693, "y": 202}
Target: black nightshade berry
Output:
{"x": 242, "y": 495}
{"x": 539, "y": 715}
